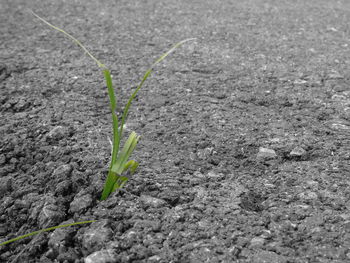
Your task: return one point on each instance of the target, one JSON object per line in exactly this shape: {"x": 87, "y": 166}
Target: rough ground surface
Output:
{"x": 245, "y": 148}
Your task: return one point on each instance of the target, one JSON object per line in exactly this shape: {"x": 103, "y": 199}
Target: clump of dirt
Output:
{"x": 244, "y": 155}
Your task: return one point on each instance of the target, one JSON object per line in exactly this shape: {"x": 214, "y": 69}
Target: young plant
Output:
{"x": 45, "y": 230}
{"x": 120, "y": 162}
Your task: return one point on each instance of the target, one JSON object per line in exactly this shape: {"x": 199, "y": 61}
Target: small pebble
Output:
{"x": 97, "y": 235}
{"x": 102, "y": 256}
{"x": 257, "y": 242}
{"x": 80, "y": 203}
{"x": 214, "y": 175}
{"x": 204, "y": 154}
{"x": 64, "y": 171}
{"x": 308, "y": 195}
{"x": 5, "y": 185}
{"x": 50, "y": 214}
{"x": 150, "y": 201}
{"x": 297, "y": 152}
{"x": 268, "y": 257}
{"x": 198, "y": 174}
{"x": 2, "y": 159}
{"x": 340, "y": 125}
{"x": 266, "y": 154}
{"x": 312, "y": 184}
{"x": 335, "y": 75}
{"x": 266, "y": 234}
{"x": 60, "y": 237}
{"x": 154, "y": 258}
{"x": 58, "y": 133}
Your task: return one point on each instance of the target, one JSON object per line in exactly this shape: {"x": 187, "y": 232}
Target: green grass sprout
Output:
{"x": 120, "y": 163}
{"x": 45, "y": 230}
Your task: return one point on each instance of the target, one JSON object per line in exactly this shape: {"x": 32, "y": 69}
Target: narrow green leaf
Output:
{"x": 126, "y": 152}
{"x": 76, "y": 41}
{"x": 119, "y": 160}
{"x": 109, "y": 184}
{"x": 171, "y": 50}
{"x": 120, "y": 182}
{"x": 123, "y": 180}
{"x": 132, "y": 97}
{"x": 115, "y": 122}
{"x": 110, "y": 89}
{"x": 44, "y": 230}
{"x": 111, "y": 177}
{"x": 130, "y": 147}
{"x": 132, "y": 165}
{"x": 146, "y": 75}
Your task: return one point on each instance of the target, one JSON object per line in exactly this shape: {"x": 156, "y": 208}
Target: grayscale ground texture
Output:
{"x": 245, "y": 148}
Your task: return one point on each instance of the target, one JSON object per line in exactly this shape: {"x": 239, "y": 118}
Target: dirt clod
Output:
{"x": 244, "y": 150}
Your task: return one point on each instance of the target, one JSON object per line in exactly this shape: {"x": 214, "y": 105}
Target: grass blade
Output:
{"x": 119, "y": 160}
{"x": 109, "y": 184}
{"x": 146, "y": 75}
{"x": 76, "y": 41}
{"x": 115, "y": 122}
{"x": 132, "y": 165}
{"x": 45, "y": 230}
{"x": 126, "y": 152}
{"x": 111, "y": 177}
